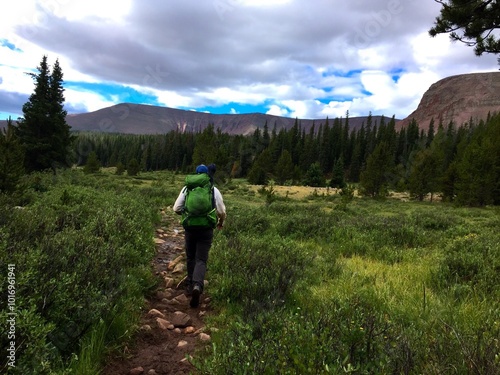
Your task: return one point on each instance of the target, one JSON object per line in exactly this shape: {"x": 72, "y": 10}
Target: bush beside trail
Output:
{"x": 81, "y": 253}
{"x": 318, "y": 286}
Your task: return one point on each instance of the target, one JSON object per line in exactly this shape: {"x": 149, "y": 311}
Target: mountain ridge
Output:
{"x": 457, "y": 98}
{"x": 148, "y": 119}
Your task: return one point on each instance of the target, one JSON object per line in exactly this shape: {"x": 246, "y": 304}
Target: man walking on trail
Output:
{"x": 202, "y": 209}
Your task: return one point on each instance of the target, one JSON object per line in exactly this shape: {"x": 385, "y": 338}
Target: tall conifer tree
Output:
{"x": 11, "y": 159}
{"x": 374, "y": 179}
{"x": 43, "y": 130}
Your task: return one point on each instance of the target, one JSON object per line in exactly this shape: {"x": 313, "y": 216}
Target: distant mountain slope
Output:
{"x": 147, "y": 119}
{"x": 131, "y": 118}
{"x": 458, "y": 98}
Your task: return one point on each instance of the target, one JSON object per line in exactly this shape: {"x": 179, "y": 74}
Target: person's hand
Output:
{"x": 219, "y": 226}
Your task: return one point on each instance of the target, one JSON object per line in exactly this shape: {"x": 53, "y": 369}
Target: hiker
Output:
{"x": 199, "y": 226}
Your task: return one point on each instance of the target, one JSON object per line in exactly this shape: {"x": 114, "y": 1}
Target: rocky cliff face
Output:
{"x": 458, "y": 98}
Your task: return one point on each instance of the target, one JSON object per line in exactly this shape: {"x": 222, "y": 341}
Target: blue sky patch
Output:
{"x": 329, "y": 99}
{"x": 236, "y": 108}
{"x": 342, "y": 74}
{"x": 339, "y": 98}
{"x": 9, "y": 45}
{"x": 396, "y": 74}
{"x": 113, "y": 92}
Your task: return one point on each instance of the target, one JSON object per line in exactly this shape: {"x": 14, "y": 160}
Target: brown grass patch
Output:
{"x": 297, "y": 192}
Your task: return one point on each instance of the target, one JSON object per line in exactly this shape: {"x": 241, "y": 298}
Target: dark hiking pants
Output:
{"x": 198, "y": 243}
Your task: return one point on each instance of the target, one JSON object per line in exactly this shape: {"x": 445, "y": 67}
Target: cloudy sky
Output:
{"x": 293, "y": 58}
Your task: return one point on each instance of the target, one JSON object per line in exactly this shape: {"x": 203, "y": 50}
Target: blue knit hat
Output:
{"x": 202, "y": 168}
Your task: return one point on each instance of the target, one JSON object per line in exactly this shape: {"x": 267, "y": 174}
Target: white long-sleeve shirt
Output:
{"x": 220, "y": 208}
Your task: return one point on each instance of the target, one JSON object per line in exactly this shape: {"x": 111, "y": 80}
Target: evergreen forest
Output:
{"x": 456, "y": 163}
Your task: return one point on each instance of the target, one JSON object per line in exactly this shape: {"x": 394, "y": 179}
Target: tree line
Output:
{"x": 460, "y": 163}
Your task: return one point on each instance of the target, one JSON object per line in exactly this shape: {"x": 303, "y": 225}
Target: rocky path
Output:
{"x": 170, "y": 330}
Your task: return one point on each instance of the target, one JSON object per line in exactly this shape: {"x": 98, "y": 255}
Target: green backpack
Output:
{"x": 199, "y": 208}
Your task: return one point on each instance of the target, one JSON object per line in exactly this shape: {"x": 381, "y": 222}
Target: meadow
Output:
{"x": 301, "y": 280}
{"x": 330, "y": 283}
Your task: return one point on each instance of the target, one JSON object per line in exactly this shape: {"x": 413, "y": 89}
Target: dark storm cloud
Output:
{"x": 12, "y": 102}
{"x": 176, "y": 45}
{"x": 206, "y": 53}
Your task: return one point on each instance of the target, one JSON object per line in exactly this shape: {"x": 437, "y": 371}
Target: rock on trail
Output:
{"x": 170, "y": 331}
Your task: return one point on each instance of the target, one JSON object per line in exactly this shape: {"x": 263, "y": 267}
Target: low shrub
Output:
{"x": 247, "y": 221}
{"x": 470, "y": 261}
{"x": 381, "y": 287}
{"x": 78, "y": 252}
{"x": 435, "y": 220}
{"x": 262, "y": 275}
{"x": 321, "y": 337}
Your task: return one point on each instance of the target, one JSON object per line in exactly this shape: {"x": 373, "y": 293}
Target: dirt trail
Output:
{"x": 172, "y": 333}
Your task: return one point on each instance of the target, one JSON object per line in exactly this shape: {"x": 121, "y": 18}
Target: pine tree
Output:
{"x": 308, "y": 155}
{"x": 355, "y": 167}
{"x": 374, "y": 179}
{"x": 346, "y": 145}
{"x": 424, "y": 175}
{"x": 338, "y": 180}
{"x": 325, "y": 157}
{"x": 478, "y": 166}
{"x": 266, "y": 138}
{"x": 284, "y": 167}
{"x": 472, "y": 22}
{"x": 206, "y": 147}
{"x": 120, "y": 168}
{"x": 93, "y": 164}
{"x": 430, "y": 133}
{"x": 133, "y": 167}
{"x": 11, "y": 158}
{"x": 314, "y": 176}
{"x": 259, "y": 171}
{"x": 43, "y": 130}
{"x": 412, "y": 138}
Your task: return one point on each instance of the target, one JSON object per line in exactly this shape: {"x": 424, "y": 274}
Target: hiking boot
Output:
{"x": 188, "y": 289}
{"x": 195, "y": 296}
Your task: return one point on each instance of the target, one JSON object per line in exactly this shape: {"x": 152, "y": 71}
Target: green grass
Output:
{"x": 299, "y": 283}
{"x": 81, "y": 245}
{"x": 383, "y": 287}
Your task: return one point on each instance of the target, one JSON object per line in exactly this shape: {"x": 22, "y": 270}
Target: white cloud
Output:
{"x": 276, "y": 110}
{"x": 306, "y": 61}
{"x": 298, "y": 108}
{"x": 16, "y": 80}
{"x": 172, "y": 99}
{"x": 86, "y": 101}
{"x": 112, "y": 10}
{"x": 259, "y": 3}
{"x": 429, "y": 52}
{"x": 339, "y": 109}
